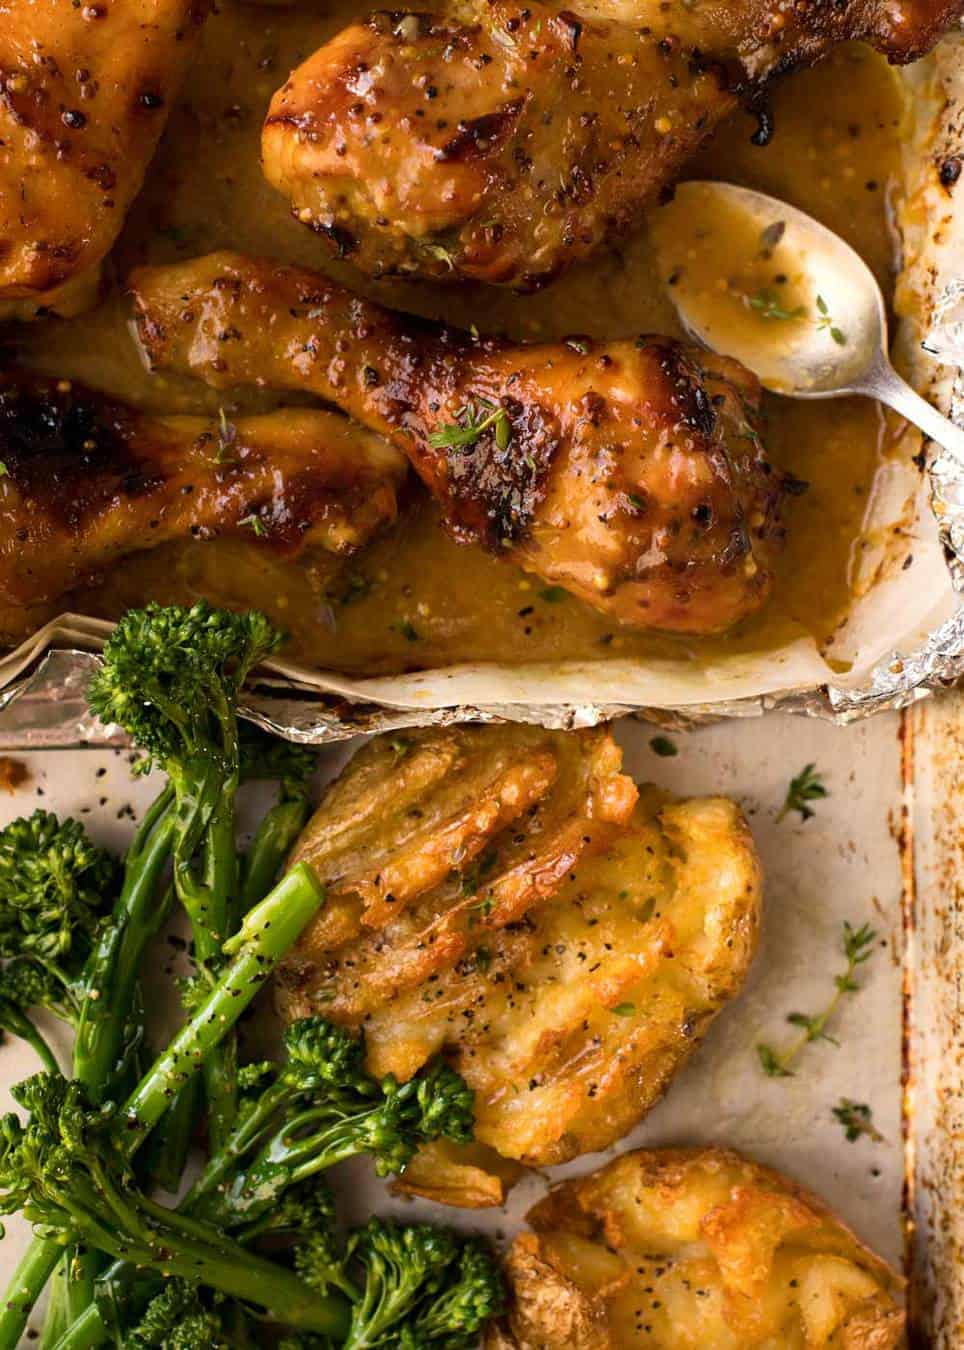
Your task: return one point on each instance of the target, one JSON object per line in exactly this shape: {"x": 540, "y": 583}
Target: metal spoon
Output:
{"x": 819, "y": 332}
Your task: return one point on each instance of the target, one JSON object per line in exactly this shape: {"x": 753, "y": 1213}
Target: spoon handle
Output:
{"x": 886, "y": 385}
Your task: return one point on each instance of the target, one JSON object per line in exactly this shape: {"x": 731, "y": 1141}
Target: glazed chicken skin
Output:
{"x": 505, "y": 896}
{"x": 503, "y": 141}
{"x": 629, "y": 473}
{"x": 89, "y": 480}
{"x": 693, "y": 1249}
{"x": 85, "y": 91}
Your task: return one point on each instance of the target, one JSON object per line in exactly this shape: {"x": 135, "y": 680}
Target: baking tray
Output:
{"x": 892, "y": 780}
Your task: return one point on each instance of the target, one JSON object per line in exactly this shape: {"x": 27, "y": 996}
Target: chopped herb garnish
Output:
{"x": 857, "y": 1120}
{"x": 442, "y": 254}
{"x": 857, "y": 946}
{"x": 408, "y": 630}
{"x": 399, "y": 746}
{"x": 355, "y": 587}
{"x": 484, "y": 907}
{"x": 553, "y": 594}
{"x": 254, "y": 523}
{"x": 483, "y": 959}
{"x": 4, "y": 471}
{"x": 769, "y": 306}
{"x": 473, "y": 876}
{"x": 664, "y": 747}
{"x": 474, "y": 419}
{"x": 770, "y": 1063}
{"x": 624, "y": 1009}
{"x": 808, "y": 786}
{"x": 227, "y": 435}
{"x": 771, "y": 236}
{"x": 577, "y": 344}
{"x": 826, "y": 324}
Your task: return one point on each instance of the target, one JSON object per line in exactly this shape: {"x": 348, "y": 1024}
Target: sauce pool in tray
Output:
{"x": 413, "y": 598}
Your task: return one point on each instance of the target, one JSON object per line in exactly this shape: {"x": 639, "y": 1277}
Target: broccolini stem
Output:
{"x": 110, "y": 986}
{"x": 86, "y": 1333}
{"x": 173, "y": 1139}
{"x": 109, "y": 981}
{"x": 222, "y": 882}
{"x": 35, "y": 1268}
{"x": 16, "y": 1021}
{"x": 221, "y": 1164}
{"x": 270, "y": 846}
{"x": 112, "y": 969}
{"x": 265, "y": 935}
{"x": 57, "y": 1317}
{"x": 150, "y": 1235}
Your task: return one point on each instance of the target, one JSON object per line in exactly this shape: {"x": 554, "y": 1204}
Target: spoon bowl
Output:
{"x": 754, "y": 278}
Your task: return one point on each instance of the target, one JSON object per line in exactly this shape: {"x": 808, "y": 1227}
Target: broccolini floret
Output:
{"x": 177, "y": 1319}
{"x": 423, "y": 1288}
{"x": 64, "y": 1172}
{"x": 171, "y": 677}
{"x": 320, "y": 1107}
{"x": 55, "y": 884}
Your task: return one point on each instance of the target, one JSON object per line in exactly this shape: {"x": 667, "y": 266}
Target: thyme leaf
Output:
{"x": 857, "y": 947}
{"x": 769, "y": 306}
{"x": 255, "y": 524}
{"x": 857, "y": 1119}
{"x": 808, "y": 786}
{"x": 474, "y": 419}
{"x": 825, "y": 323}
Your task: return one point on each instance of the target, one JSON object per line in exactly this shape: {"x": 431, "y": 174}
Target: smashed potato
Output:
{"x": 506, "y": 896}
{"x": 693, "y": 1249}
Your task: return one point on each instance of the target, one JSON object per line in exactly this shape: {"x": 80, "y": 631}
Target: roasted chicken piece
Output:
{"x": 504, "y": 896}
{"x": 630, "y": 473}
{"x": 504, "y": 141}
{"x": 88, "y": 480}
{"x": 85, "y": 90}
{"x": 693, "y": 1249}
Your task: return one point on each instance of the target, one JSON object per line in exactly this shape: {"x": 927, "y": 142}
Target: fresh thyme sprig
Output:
{"x": 227, "y": 436}
{"x": 857, "y": 946}
{"x": 857, "y": 1119}
{"x": 474, "y": 419}
{"x": 808, "y": 786}
{"x": 825, "y": 323}
{"x": 254, "y": 523}
{"x": 769, "y": 306}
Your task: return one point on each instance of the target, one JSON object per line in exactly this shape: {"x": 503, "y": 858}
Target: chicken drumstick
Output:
{"x": 630, "y": 473}
{"x": 88, "y": 480}
{"x": 85, "y": 90}
{"x": 502, "y": 141}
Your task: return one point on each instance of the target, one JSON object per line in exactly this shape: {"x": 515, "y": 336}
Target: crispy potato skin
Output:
{"x": 85, "y": 91}
{"x": 503, "y": 896}
{"x": 693, "y": 1249}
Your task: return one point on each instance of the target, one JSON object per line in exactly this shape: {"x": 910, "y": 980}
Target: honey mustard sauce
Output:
{"x": 413, "y": 598}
